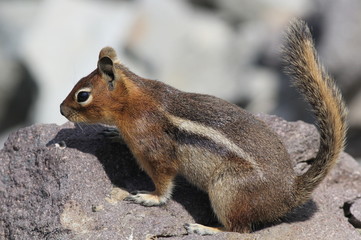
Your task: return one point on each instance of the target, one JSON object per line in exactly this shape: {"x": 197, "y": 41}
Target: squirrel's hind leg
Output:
{"x": 201, "y": 229}
{"x": 231, "y": 200}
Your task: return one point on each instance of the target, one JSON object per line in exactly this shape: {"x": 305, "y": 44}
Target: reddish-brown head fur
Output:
{"x": 101, "y": 96}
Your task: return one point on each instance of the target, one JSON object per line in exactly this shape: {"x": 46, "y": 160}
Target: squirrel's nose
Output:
{"x": 61, "y": 109}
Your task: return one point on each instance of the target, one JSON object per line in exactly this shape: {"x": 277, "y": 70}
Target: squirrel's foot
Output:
{"x": 146, "y": 199}
{"x": 201, "y": 229}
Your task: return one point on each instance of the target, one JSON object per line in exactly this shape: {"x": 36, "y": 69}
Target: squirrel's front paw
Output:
{"x": 113, "y": 134}
{"x": 146, "y": 199}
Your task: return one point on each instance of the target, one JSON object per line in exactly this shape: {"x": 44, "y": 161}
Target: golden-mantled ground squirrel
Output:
{"x": 215, "y": 145}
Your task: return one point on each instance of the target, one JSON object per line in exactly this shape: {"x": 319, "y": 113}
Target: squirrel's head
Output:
{"x": 103, "y": 94}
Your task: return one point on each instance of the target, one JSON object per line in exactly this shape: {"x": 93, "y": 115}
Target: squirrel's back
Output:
{"x": 237, "y": 124}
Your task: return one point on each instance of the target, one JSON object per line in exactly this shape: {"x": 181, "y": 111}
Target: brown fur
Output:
{"x": 325, "y": 98}
{"x": 216, "y": 145}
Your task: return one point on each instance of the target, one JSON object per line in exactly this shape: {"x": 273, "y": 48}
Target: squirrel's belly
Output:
{"x": 198, "y": 165}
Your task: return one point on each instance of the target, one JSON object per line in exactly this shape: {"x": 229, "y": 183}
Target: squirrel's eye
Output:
{"x": 82, "y": 96}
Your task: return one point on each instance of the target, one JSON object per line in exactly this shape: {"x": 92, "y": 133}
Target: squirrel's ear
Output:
{"x": 107, "y": 59}
{"x": 105, "y": 66}
{"x": 110, "y": 53}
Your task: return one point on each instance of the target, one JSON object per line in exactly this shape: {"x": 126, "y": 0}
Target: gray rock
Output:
{"x": 241, "y": 10}
{"x": 352, "y": 210}
{"x": 356, "y": 213}
{"x": 68, "y": 182}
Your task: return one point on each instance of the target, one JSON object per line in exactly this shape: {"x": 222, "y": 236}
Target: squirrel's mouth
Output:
{"x": 69, "y": 113}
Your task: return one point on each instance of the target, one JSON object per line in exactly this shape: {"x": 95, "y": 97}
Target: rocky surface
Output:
{"x": 68, "y": 182}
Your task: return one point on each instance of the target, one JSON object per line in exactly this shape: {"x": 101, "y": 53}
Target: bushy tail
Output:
{"x": 320, "y": 91}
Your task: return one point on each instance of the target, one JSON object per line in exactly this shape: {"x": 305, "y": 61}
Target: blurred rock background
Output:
{"x": 227, "y": 48}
